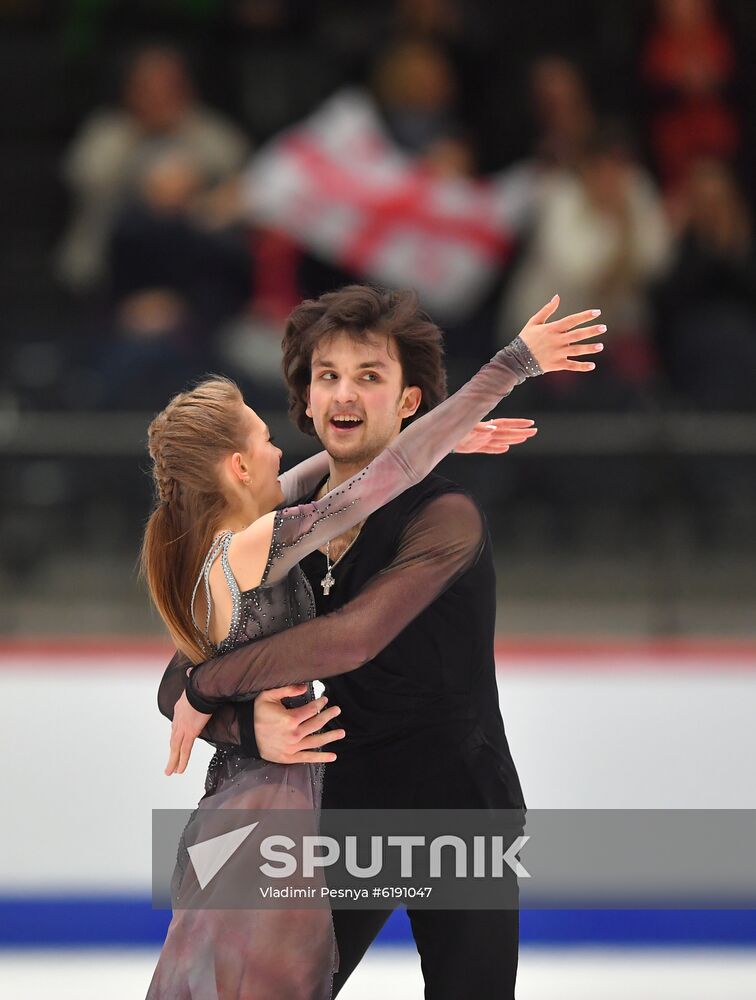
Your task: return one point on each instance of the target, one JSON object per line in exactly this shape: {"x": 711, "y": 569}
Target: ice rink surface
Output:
{"x": 545, "y": 974}
{"x": 604, "y": 727}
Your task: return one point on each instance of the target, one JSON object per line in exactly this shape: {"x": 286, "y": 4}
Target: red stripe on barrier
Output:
{"x": 646, "y": 652}
{"x": 87, "y": 647}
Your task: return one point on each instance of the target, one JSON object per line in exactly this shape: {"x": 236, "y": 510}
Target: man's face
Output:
{"x": 357, "y": 399}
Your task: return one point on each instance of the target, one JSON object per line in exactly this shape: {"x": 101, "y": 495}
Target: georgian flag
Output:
{"x": 340, "y": 187}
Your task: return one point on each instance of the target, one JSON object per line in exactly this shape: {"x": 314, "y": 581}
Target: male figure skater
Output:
{"x": 422, "y": 719}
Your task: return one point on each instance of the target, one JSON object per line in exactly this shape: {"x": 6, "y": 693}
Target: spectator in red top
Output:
{"x": 688, "y": 64}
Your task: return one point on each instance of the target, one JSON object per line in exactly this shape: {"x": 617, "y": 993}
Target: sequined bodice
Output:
{"x": 261, "y": 611}
{"x": 255, "y": 613}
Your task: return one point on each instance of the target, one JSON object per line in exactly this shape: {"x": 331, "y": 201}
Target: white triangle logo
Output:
{"x": 211, "y": 855}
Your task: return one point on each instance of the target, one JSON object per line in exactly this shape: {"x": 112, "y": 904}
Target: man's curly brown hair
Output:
{"x": 361, "y": 311}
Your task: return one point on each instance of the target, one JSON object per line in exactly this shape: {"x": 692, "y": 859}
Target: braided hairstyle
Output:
{"x": 187, "y": 441}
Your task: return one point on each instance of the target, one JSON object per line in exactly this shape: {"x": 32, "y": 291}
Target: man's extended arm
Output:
{"x": 230, "y": 723}
{"x": 439, "y": 544}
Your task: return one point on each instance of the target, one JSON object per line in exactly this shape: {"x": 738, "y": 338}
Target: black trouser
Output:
{"x": 463, "y": 953}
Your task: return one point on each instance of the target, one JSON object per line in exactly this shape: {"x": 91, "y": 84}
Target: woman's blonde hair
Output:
{"x": 187, "y": 441}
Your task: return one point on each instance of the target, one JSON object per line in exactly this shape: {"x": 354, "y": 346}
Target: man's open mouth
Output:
{"x": 345, "y": 422}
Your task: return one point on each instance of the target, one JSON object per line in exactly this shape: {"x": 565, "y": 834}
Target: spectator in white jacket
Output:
{"x": 159, "y": 106}
{"x": 600, "y": 235}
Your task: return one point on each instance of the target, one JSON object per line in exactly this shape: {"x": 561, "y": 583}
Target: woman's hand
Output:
{"x": 494, "y": 437}
{"x": 553, "y": 345}
{"x": 187, "y": 724}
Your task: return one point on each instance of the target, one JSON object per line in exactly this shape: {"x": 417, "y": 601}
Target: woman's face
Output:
{"x": 263, "y": 461}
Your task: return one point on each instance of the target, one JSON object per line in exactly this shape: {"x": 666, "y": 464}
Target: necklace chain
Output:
{"x": 329, "y": 580}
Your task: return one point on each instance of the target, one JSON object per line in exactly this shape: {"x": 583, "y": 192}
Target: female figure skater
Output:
{"x": 222, "y": 566}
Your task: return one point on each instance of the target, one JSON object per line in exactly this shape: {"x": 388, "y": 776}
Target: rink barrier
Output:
{"x": 37, "y": 920}
{"x": 130, "y": 922}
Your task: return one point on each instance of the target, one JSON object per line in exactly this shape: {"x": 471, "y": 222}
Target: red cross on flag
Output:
{"x": 340, "y": 186}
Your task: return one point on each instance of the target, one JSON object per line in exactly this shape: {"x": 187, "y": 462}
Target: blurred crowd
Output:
{"x": 174, "y": 262}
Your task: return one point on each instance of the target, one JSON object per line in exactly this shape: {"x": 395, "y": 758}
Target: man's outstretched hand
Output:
{"x": 494, "y": 437}
{"x": 556, "y": 344}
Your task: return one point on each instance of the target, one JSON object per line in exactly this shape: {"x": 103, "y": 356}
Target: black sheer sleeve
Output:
{"x": 442, "y": 542}
{"x": 230, "y": 724}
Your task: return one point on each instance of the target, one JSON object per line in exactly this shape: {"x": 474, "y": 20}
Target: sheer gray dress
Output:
{"x": 267, "y": 954}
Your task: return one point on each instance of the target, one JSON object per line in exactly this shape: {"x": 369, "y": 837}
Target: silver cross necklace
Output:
{"x": 329, "y": 580}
